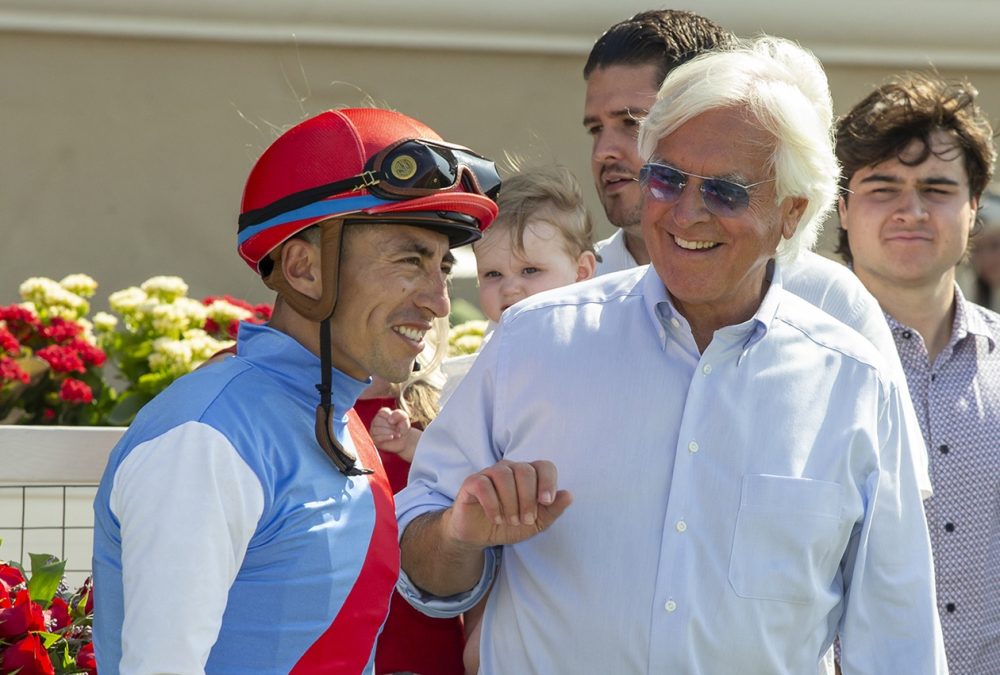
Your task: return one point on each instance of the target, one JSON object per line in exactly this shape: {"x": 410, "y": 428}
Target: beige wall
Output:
{"x": 124, "y": 158}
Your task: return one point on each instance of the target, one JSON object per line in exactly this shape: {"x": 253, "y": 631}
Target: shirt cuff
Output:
{"x": 453, "y": 605}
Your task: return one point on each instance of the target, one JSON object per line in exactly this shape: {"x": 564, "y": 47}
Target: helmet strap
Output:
{"x": 342, "y": 459}
{"x": 321, "y": 310}
{"x": 330, "y": 247}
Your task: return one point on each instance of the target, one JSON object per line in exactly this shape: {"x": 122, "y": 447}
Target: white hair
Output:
{"x": 784, "y": 89}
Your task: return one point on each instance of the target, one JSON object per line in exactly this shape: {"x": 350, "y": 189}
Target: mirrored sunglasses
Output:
{"x": 721, "y": 197}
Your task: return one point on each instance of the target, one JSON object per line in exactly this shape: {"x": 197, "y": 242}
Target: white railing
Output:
{"x": 48, "y": 480}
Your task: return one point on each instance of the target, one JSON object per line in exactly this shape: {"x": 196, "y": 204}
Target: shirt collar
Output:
{"x": 670, "y": 323}
{"x": 286, "y": 360}
{"x": 967, "y": 322}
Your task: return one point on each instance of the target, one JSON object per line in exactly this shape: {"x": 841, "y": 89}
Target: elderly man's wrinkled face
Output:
{"x": 714, "y": 265}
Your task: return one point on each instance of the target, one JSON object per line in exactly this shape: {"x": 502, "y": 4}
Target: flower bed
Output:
{"x": 54, "y": 359}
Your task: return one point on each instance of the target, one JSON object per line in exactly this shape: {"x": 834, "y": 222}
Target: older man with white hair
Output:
{"x": 741, "y": 493}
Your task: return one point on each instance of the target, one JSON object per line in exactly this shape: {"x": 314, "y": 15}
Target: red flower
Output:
{"x": 211, "y": 327}
{"x": 85, "y": 658}
{"x": 10, "y": 371}
{"x": 11, "y": 575}
{"x": 19, "y": 320}
{"x": 233, "y": 328}
{"x": 75, "y": 391}
{"x": 60, "y": 330}
{"x": 9, "y": 343}
{"x": 24, "y": 616}
{"x": 91, "y": 355}
{"x": 263, "y": 313}
{"x": 62, "y": 359}
{"x": 49, "y": 414}
{"x": 27, "y": 656}
{"x": 57, "y": 614}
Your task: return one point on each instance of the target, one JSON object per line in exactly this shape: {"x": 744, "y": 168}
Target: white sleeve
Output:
{"x": 890, "y": 622}
{"x": 188, "y": 505}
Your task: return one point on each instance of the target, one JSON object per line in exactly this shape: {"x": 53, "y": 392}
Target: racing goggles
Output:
{"x": 404, "y": 170}
{"x": 721, "y": 197}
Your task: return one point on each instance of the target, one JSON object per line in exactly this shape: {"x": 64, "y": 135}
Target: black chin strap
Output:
{"x": 343, "y": 460}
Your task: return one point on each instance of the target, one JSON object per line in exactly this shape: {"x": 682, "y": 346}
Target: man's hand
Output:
{"x": 505, "y": 503}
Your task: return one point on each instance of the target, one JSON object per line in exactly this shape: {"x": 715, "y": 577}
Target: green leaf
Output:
{"x": 48, "y": 639}
{"x": 45, "y": 577}
{"x": 62, "y": 659}
{"x": 126, "y": 407}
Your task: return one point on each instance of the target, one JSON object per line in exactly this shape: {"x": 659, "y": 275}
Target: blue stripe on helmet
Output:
{"x": 328, "y": 207}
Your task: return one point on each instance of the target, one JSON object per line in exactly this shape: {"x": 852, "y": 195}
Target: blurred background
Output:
{"x": 129, "y": 126}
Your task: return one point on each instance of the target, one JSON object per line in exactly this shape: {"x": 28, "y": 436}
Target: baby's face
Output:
{"x": 506, "y": 277}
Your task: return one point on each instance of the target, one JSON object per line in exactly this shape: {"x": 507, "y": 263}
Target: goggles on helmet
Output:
{"x": 404, "y": 170}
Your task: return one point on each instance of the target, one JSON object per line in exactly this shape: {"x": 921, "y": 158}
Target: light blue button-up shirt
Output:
{"x": 733, "y": 510}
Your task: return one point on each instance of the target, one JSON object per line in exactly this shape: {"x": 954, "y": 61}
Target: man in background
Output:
{"x": 917, "y": 154}
{"x": 623, "y": 73}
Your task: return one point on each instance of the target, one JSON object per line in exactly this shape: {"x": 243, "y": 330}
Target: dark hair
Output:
{"x": 665, "y": 38}
{"x": 911, "y": 108}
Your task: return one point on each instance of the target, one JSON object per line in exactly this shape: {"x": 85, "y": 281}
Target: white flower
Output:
{"x": 35, "y": 289}
{"x": 222, "y": 312}
{"x": 195, "y": 312}
{"x": 165, "y": 288}
{"x": 104, "y": 322}
{"x": 128, "y": 300}
{"x": 80, "y": 284}
{"x": 466, "y": 344}
{"x": 204, "y": 346}
{"x": 88, "y": 331}
{"x": 171, "y": 356}
{"x": 465, "y": 338}
{"x": 51, "y": 299}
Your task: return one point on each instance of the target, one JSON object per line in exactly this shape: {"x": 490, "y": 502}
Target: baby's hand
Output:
{"x": 391, "y": 432}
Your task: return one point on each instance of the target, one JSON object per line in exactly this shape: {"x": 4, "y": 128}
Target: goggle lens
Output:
{"x": 427, "y": 166}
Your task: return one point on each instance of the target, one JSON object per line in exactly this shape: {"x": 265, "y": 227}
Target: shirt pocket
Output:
{"x": 787, "y": 538}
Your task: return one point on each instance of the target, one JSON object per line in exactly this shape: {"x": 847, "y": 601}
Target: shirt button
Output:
{"x": 707, "y": 368}
{"x": 681, "y": 526}
{"x": 692, "y": 447}
{"x": 949, "y": 527}
{"x": 944, "y": 449}
{"x": 674, "y": 322}
{"x": 670, "y": 606}
{"x": 907, "y": 335}
{"x": 950, "y": 607}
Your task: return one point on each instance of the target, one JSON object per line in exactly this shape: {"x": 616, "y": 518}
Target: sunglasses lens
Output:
{"x": 663, "y": 183}
{"x": 724, "y": 198}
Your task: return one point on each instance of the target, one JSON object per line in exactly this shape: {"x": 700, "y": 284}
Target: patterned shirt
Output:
{"x": 957, "y": 400}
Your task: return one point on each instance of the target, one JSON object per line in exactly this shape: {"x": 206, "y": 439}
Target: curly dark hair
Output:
{"x": 665, "y": 38}
{"x": 910, "y": 108}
